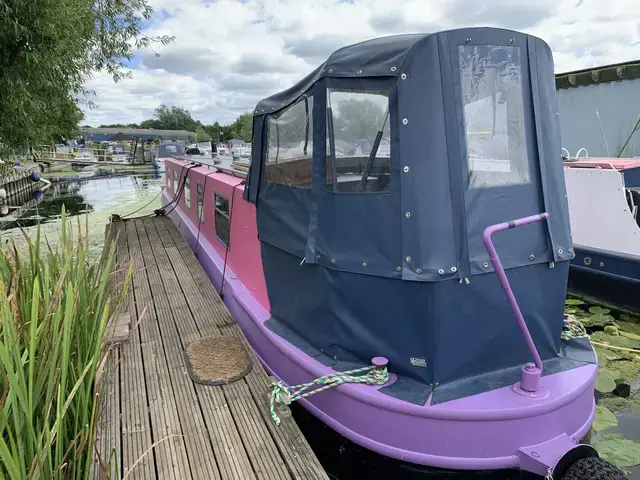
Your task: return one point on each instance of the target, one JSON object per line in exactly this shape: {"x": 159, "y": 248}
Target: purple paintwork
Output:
{"x": 492, "y": 430}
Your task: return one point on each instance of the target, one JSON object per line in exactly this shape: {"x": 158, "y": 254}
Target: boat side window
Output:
{"x": 290, "y": 146}
{"x": 200, "y": 199}
{"x": 221, "y": 218}
{"x": 358, "y": 141}
{"x": 175, "y": 180}
{"x": 167, "y": 177}
{"x": 187, "y": 192}
{"x": 492, "y": 95}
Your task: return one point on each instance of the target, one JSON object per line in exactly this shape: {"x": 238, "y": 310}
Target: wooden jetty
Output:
{"x": 156, "y": 423}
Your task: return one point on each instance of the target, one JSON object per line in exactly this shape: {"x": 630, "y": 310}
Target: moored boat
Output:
{"x": 604, "y": 197}
{"x": 379, "y": 260}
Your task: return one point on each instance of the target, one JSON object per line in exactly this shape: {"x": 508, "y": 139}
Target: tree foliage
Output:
{"x": 48, "y": 48}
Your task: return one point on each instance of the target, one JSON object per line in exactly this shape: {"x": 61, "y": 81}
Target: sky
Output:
{"x": 229, "y": 54}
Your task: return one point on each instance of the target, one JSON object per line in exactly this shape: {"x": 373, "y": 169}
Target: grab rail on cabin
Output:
{"x": 530, "y": 373}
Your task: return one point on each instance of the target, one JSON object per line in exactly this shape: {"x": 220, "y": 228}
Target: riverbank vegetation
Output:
{"x": 48, "y": 48}
{"x": 54, "y": 309}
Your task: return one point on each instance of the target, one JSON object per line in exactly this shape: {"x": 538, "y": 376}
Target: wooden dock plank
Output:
{"x": 188, "y": 430}
{"x": 136, "y": 428}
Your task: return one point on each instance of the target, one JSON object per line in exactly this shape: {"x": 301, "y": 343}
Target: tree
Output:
{"x": 201, "y": 133}
{"x": 357, "y": 119}
{"x": 174, "y": 118}
{"x": 241, "y": 128}
{"x": 48, "y": 48}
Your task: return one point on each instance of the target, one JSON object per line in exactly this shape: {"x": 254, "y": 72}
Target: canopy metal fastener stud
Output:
{"x": 331, "y": 70}
{"x": 485, "y": 265}
{"x": 403, "y": 76}
{"x": 359, "y": 71}
{"x": 441, "y": 271}
{"x": 393, "y": 69}
{"x": 407, "y": 259}
{"x": 559, "y": 251}
{"x": 364, "y": 264}
{"x": 602, "y": 264}
{"x": 418, "y": 271}
{"x": 405, "y": 169}
{"x": 408, "y": 214}
{"x": 571, "y": 250}
{"x": 454, "y": 269}
{"x": 512, "y": 40}
{"x": 333, "y": 260}
{"x": 317, "y": 257}
{"x": 398, "y": 268}
{"x": 468, "y": 40}
{"x": 405, "y": 121}
{"x": 532, "y": 257}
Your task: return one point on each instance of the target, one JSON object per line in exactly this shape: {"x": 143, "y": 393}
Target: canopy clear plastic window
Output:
{"x": 290, "y": 145}
{"x": 491, "y": 83}
{"x": 358, "y": 141}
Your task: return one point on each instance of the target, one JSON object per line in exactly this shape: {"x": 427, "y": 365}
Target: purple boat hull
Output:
{"x": 492, "y": 430}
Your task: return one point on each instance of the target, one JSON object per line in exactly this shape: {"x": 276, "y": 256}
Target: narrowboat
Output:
{"x": 423, "y": 272}
{"x": 604, "y": 196}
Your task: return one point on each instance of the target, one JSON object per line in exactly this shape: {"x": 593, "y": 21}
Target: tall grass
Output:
{"x": 54, "y": 307}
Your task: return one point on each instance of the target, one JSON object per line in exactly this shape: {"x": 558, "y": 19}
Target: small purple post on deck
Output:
{"x": 379, "y": 362}
{"x": 530, "y": 373}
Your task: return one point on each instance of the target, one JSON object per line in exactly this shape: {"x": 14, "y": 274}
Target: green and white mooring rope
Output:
{"x": 572, "y": 328}
{"x": 284, "y": 394}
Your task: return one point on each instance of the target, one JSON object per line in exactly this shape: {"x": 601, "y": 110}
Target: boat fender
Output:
{"x": 3, "y": 193}
{"x": 35, "y": 177}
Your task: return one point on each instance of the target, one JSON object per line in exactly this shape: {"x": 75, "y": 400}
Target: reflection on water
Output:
{"x": 96, "y": 193}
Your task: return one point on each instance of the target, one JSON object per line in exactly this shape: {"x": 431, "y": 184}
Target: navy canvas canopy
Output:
{"x": 169, "y": 149}
{"x": 374, "y": 178}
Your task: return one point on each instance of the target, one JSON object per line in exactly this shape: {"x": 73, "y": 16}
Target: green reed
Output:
{"x": 54, "y": 306}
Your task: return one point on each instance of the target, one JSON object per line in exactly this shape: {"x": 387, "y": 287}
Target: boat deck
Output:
{"x": 155, "y": 419}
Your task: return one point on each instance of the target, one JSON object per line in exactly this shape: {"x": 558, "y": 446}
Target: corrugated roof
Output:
{"x": 606, "y": 73}
{"x": 140, "y": 131}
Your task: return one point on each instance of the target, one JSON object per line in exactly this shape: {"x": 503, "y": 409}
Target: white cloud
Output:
{"x": 229, "y": 54}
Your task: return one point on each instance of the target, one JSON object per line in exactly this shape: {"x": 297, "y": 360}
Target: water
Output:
{"x": 94, "y": 192}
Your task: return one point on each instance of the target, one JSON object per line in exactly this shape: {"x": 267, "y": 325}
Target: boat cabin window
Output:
{"x": 492, "y": 94}
{"x": 175, "y": 181}
{"x": 358, "y": 141}
{"x": 200, "y": 199}
{"x": 187, "y": 192}
{"x": 221, "y": 218}
{"x": 290, "y": 146}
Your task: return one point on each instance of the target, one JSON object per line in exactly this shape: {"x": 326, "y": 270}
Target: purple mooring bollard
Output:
{"x": 529, "y": 381}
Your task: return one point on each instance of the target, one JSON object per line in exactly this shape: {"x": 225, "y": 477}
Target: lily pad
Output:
{"x": 598, "y": 319}
{"x": 620, "y": 451}
{"x": 571, "y": 310}
{"x": 604, "y": 382}
{"x": 599, "y": 310}
{"x": 612, "y": 330}
{"x": 605, "y": 419}
{"x": 573, "y": 301}
{"x": 616, "y": 340}
{"x": 629, "y": 335}
{"x": 629, "y": 318}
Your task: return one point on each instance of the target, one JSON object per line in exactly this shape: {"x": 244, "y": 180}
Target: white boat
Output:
{"x": 604, "y": 196}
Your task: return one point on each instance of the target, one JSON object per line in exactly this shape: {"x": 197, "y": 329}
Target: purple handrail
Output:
{"x": 502, "y": 276}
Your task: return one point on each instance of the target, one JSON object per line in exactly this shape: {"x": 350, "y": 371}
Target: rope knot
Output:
{"x": 282, "y": 394}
